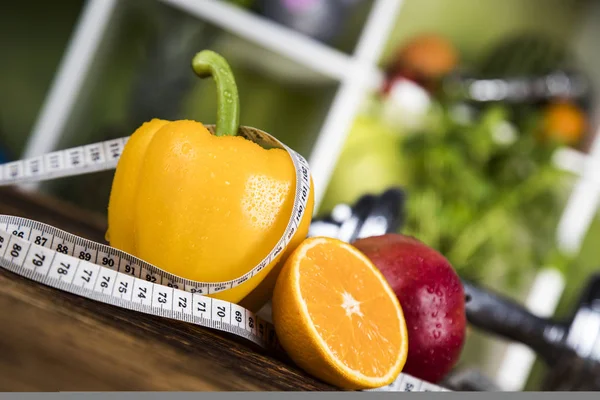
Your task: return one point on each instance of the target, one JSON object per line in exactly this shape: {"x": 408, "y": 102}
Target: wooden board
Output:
{"x": 51, "y": 340}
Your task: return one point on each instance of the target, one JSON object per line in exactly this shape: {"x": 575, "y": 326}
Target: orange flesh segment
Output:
{"x": 350, "y": 310}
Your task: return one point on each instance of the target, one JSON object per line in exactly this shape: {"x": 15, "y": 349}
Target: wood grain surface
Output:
{"x": 52, "y": 340}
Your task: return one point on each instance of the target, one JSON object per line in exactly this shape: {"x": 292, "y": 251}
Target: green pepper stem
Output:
{"x": 207, "y": 63}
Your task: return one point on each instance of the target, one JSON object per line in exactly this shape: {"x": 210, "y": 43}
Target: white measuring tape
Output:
{"x": 56, "y": 258}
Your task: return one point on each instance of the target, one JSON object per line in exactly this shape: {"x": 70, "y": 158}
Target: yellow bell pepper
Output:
{"x": 201, "y": 206}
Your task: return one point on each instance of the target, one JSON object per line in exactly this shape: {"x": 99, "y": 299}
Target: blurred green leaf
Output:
{"x": 484, "y": 193}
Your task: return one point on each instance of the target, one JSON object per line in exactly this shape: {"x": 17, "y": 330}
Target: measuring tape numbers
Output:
{"x": 64, "y": 261}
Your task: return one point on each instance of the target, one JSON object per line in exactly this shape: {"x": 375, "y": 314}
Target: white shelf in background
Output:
{"x": 583, "y": 203}
{"x": 576, "y": 162}
{"x": 352, "y": 93}
{"x": 70, "y": 77}
{"x": 275, "y": 37}
{"x": 542, "y": 301}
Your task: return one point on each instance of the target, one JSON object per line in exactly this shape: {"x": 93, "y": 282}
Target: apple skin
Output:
{"x": 432, "y": 299}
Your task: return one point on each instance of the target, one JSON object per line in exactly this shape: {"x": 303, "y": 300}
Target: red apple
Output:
{"x": 432, "y": 298}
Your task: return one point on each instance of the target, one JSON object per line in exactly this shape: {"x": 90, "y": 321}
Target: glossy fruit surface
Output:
{"x": 200, "y": 206}
{"x": 432, "y": 298}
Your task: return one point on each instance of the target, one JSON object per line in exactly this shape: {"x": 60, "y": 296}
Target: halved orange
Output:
{"x": 337, "y": 317}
